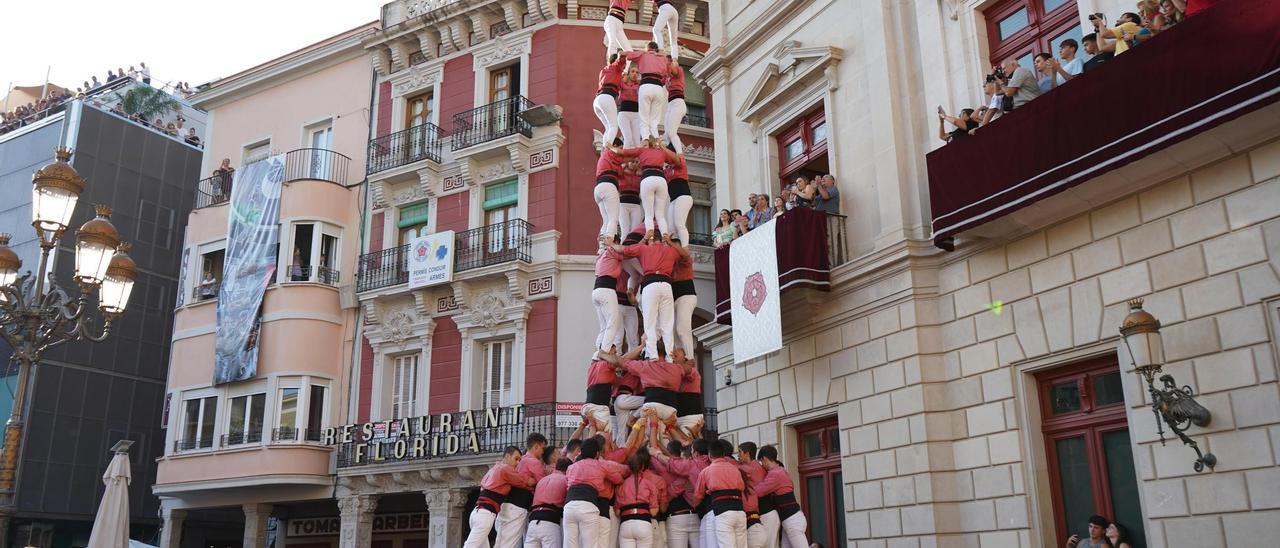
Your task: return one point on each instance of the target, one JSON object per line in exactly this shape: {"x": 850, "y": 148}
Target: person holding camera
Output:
{"x": 1096, "y": 534}
{"x": 963, "y": 123}
{"x": 1021, "y": 86}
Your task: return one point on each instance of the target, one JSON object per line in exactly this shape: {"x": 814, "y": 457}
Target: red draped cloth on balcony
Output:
{"x": 802, "y": 257}
{"x": 1207, "y": 70}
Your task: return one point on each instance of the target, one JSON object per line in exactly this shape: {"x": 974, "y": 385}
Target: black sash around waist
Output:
{"x": 678, "y": 506}
{"x": 625, "y": 390}
{"x": 546, "y": 512}
{"x": 651, "y": 79}
{"x": 677, "y": 187}
{"x": 582, "y": 491}
{"x": 704, "y": 507}
{"x": 608, "y": 89}
{"x": 628, "y": 106}
{"x": 633, "y": 238}
{"x": 766, "y": 504}
{"x": 599, "y": 394}
{"x": 725, "y": 500}
{"x": 690, "y": 403}
{"x": 673, "y": 96}
{"x": 753, "y": 519}
{"x": 624, "y": 299}
{"x": 606, "y": 282}
{"x": 682, "y": 288}
{"x": 661, "y": 3}
{"x": 604, "y": 505}
{"x": 607, "y": 177}
{"x": 639, "y": 511}
{"x": 490, "y": 501}
{"x": 655, "y": 278}
{"x": 786, "y": 505}
{"x": 618, "y": 13}
{"x": 520, "y": 497}
{"x": 650, "y": 171}
{"x": 629, "y": 197}
{"x": 665, "y": 396}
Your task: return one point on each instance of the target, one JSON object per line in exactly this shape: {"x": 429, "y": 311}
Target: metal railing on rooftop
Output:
{"x": 420, "y": 142}
{"x": 486, "y": 123}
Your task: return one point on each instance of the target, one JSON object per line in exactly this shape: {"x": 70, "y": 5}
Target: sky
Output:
{"x": 193, "y": 42}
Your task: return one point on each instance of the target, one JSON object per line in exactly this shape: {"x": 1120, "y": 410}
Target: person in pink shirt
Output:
{"x": 628, "y": 396}
{"x": 754, "y": 472}
{"x": 605, "y": 297}
{"x": 782, "y": 497}
{"x": 601, "y": 379}
{"x": 608, "y": 170}
{"x": 627, "y": 308}
{"x": 606, "y": 101}
{"x": 689, "y": 400}
{"x": 679, "y": 200}
{"x": 661, "y": 380}
{"x": 685, "y": 296}
{"x": 653, "y": 68}
{"x": 629, "y": 108}
{"x": 548, "y": 508}
{"x": 676, "y": 109}
{"x": 494, "y": 488}
{"x": 721, "y": 483}
{"x": 684, "y": 521}
{"x": 590, "y": 482}
{"x": 630, "y": 210}
{"x": 657, "y": 302}
{"x": 614, "y": 38}
{"x": 514, "y": 512}
{"x": 654, "y": 198}
{"x": 638, "y": 502}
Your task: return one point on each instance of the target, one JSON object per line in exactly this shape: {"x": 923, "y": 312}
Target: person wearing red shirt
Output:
{"x": 667, "y": 19}
{"x": 514, "y": 512}
{"x": 677, "y": 175}
{"x": 785, "y": 513}
{"x": 606, "y": 101}
{"x": 548, "y": 508}
{"x": 614, "y": 38}
{"x": 630, "y": 210}
{"x": 590, "y": 483}
{"x": 684, "y": 522}
{"x": 605, "y": 297}
{"x": 629, "y": 108}
{"x": 653, "y": 92}
{"x": 689, "y": 401}
{"x": 749, "y": 466}
{"x": 638, "y": 503}
{"x": 684, "y": 294}
{"x": 676, "y": 109}
{"x": 628, "y": 396}
{"x": 661, "y": 380}
{"x": 657, "y": 260}
{"x": 608, "y": 170}
{"x": 654, "y": 197}
{"x": 600, "y": 385}
{"x": 494, "y": 488}
{"x": 721, "y": 483}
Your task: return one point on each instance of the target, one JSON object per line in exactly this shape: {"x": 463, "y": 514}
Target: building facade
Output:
{"x": 983, "y": 396}
{"x": 243, "y": 458}
{"x": 84, "y": 396}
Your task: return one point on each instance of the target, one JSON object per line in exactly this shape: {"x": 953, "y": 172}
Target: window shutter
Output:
{"x": 501, "y": 194}
{"x": 414, "y": 215}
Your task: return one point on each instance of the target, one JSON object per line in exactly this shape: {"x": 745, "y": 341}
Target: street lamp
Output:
{"x": 36, "y": 314}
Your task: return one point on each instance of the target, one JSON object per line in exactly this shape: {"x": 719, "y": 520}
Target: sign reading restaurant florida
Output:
{"x": 427, "y": 436}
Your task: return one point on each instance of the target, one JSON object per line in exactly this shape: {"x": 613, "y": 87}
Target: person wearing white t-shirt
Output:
{"x": 1069, "y": 65}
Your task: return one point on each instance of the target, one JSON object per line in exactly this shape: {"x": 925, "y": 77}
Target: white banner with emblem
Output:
{"x": 431, "y": 259}
{"x": 753, "y": 288}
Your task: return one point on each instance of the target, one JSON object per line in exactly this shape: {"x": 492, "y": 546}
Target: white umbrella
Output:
{"x": 111, "y": 526}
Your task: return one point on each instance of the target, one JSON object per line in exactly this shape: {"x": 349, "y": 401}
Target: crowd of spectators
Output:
{"x": 1011, "y": 85}
{"x": 821, "y": 194}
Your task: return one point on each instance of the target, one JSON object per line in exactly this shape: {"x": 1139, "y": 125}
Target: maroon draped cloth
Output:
{"x": 1207, "y": 70}
{"x": 803, "y": 260}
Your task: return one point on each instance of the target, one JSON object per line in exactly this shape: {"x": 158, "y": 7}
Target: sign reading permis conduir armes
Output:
{"x": 427, "y": 436}
{"x": 431, "y": 259}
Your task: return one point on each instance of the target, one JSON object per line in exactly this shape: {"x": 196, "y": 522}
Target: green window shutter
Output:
{"x": 693, "y": 93}
{"x": 414, "y": 215}
{"x": 501, "y": 194}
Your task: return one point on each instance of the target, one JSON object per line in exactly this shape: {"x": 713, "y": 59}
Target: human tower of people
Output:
{"x": 639, "y": 471}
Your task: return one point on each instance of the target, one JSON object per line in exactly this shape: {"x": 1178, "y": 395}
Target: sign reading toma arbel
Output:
{"x": 431, "y": 259}
{"x": 428, "y": 436}
{"x": 382, "y": 523}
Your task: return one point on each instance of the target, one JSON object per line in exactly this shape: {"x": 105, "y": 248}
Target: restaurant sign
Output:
{"x": 382, "y": 524}
{"x": 428, "y": 436}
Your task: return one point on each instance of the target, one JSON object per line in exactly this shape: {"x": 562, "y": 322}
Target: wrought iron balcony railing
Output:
{"x": 420, "y": 142}
{"x": 696, "y": 120}
{"x": 241, "y": 438}
{"x": 316, "y": 163}
{"x": 492, "y": 244}
{"x": 289, "y": 433}
{"x": 700, "y": 238}
{"x": 311, "y": 273}
{"x": 491, "y": 121}
{"x": 192, "y": 444}
{"x": 383, "y": 268}
{"x": 213, "y": 191}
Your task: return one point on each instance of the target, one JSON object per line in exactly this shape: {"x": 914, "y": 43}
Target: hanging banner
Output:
{"x": 431, "y": 259}
{"x": 253, "y": 232}
{"x": 753, "y": 288}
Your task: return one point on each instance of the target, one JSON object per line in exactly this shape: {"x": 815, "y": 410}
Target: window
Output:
{"x": 1023, "y": 28}
{"x": 255, "y": 152}
{"x": 1086, "y": 437}
{"x": 500, "y": 203}
{"x": 287, "y": 429}
{"x": 802, "y": 147}
{"x": 700, "y": 224}
{"x": 502, "y": 83}
{"x": 320, "y": 141}
{"x": 404, "y": 386}
{"x": 210, "y": 274}
{"x": 821, "y": 485}
{"x": 418, "y": 110}
{"x": 245, "y": 422}
{"x": 413, "y": 222}
{"x": 315, "y": 253}
{"x": 315, "y": 412}
{"x": 497, "y": 375}
{"x": 198, "y": 419}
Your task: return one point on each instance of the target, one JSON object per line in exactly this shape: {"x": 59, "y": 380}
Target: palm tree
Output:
{"x": 147, "y": 102}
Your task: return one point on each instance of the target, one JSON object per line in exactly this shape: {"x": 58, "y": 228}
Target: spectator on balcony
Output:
{"x": 724, "y": 230}
{"x": 760, "y": 212}
{"x": 1097, "y": 56}
{"x": 1047, "y": 72}
{"x": 133, "y": 72}
{"x": 223, "y": 177}
{"x": 1120, "y": 38}
{"x": 208, "y": 286}
{"x": 1068, "y": 65}
{"x": 740, "y": 225}
{"x": 297, "y": 271}
{"x": 172, "y": 130}
{"x": 964, "y": 123}
{"x": 994, "y": 88}
{"x": 145, "y": 73}
{"x": 1022, "y": 85}
{"x": 779, "y": 207}
{"x": 158, "y": 124}
{"x": 803, "y": 193}
{"x": 94, "y": 81}
{"x": 111, "y": 76}
{"x": 828, "y": 198}
{"x": 191, "y": 138}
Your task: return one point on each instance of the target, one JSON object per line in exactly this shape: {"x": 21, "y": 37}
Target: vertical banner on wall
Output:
{"x": 753, "y": 288}
{"x": 431, "y": 259}
{"x": 253, "y": 231}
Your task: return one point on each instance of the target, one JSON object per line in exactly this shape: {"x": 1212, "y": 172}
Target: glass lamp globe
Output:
{"x": 96, "y": 243}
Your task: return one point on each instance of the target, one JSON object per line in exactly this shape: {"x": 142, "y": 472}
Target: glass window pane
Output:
{"x": 235, "y": 426}
{"x": 812, "y": 445}
{"x": 1107, "y": 389}
{"x": 837, "y": 505}
{"x": 315, "y": 413}
{"x": 191, "y": 420}
{"x": 820, "y": 132}
{"x": 833, "y": 441}
{"x": 816, "y": 500}
{"x": 1064, "y": 397}
{"x": 1123, "y": 484}
{"x": 795, "y": 149}
{"x": 257, "y": 406}
{"x": 206, "y": 426}
{"x": 288, "y": 409}
{"x": 1028, "y": 61}
{"x": 1013, "y": 23}
{"x": 1050, "y": 5}
{"x": 1076, "y": 484}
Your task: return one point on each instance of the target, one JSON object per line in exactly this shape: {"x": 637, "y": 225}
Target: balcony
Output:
{"x": 810, "y": 244}
{"x": 193, "y": 444}
{"x": 304, "y": 273}
{"x": 491, "y": 121}
{"x": 696, "y": 121}
{"x": 287, "y": 434}
{"x": 476, "y": 248}
{"x": 421, "y": 142}
{"x": 305, "y": 163}
{"x": 1181, "y": 83}
{"x": 213, "y": 191}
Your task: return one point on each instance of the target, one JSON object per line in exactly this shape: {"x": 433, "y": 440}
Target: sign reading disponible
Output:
{"x": 382, "y": 523}
{"x": 429, "y": 436}
{"x": 431, "y": 259}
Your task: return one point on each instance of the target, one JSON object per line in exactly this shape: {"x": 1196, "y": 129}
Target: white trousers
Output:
{"x": 542, "y": 534}
{"x": 630, "y": 327}
{"x": 707, "y": 531}
{"x": 598, "y": 414}
{"x": 678, "y": 217}
{"x": 653, "y": 99}
{"x": 684, "y": 323}
{"x": 606, "y": 107}
{"x": 630, "y": 215}
{"x": 659, "y": 316}
{"x": 581, "y": 524}
{"x": 676, "y": 109}
{"x": 623, "y": 407}
{"x": 629, "y": 124}
{"x": 731, "y": 529}
{"x": 771, "y": 525}
{"x": 659, "y": 534}
{"x": 609, "y": 529}
{"x": 755, "y": 536}
{"x": 608, "y": 316}
{"x": 654, "y": 199}
{"x": 635, "y": 533}
{"x": 793, "y": 529}
{"x": 481, "y": 522}
{"x": 510, "y": 524}
{"x": 606, "y": 195}
{"x": 614, "y": 38}
{"x": 668, "y": 19}
{"x": 682, "y": 531}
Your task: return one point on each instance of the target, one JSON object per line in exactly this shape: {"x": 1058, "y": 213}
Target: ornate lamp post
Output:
{"x": 36, "y": 314}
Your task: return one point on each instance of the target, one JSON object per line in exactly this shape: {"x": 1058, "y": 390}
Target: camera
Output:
{"x": 997, "y": 73}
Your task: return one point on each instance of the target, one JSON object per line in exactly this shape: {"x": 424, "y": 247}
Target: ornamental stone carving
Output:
{"x": 357, "y": 521}
{"x": 421, "y": 7}
{"x": 409, "y": 194}
{"x": 417, "y": 78}
{"x": 397, "y": 326}
{"x": 502, "y": 49}
{"x": 488, "y": 309}
{"x": 705, "y": 152}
